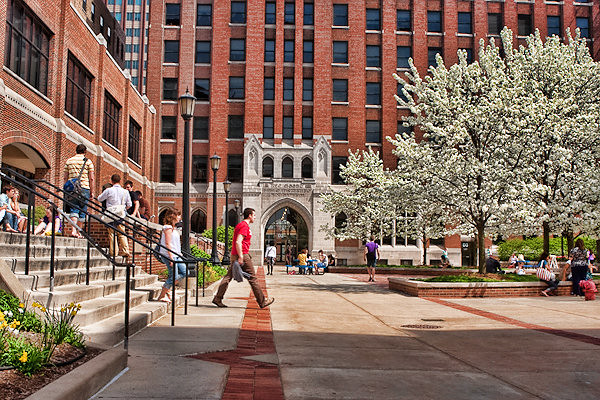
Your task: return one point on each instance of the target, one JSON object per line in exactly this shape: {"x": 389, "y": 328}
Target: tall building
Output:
{"x": 286, "y": 88}
{"x": 61, "y": 86}
{"x": 133, "y": 16}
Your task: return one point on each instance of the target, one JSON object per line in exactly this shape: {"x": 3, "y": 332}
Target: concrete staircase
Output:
{"x": 102, "y": 301}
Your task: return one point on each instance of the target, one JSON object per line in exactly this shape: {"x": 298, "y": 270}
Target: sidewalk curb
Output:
{"x": 87, "y": 379}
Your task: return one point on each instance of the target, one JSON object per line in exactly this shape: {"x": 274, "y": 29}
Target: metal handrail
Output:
{"x": 30, "y": 186}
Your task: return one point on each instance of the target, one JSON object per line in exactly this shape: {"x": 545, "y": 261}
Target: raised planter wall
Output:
{"x": 400, "y": 271}
{"x": 474, "y": 289}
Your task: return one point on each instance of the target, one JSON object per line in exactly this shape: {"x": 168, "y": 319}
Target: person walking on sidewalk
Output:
{"x": 371, "y": 256}
{"x": 117, "y": 201}
{"x": 270, "y": 255}
{"x": 240, "y": 254}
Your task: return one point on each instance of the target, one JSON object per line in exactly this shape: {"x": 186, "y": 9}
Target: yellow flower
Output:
{"x": 23, "y": 358}
{"x": 1, "y": 316}
{"x": 21, "y": 305}
{"x": 43, "y": 309}
{"x": 62, "y": 309}
{"x": 17, "y": 322}
{"x": 73, "y": 313}
{"x": 3, "y": 325}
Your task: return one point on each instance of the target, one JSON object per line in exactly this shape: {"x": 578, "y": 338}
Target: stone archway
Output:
{"x": 198, "y": 221}
{"x": 25, "y": 160}
{"x": 288, "y": 224}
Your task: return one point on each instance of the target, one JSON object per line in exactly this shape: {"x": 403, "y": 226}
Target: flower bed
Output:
{"x": 400, "y": 270}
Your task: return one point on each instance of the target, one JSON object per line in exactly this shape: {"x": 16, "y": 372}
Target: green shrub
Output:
{"x": 220, "y": 234}
{"x": 28, "y": 320}
{"x": 211, "y": 272}
{"x": 532, "y": 248}
{"x": 24, "y": 356}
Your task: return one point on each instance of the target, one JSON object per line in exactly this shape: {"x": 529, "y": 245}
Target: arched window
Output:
{"x": 267, "y": 167}
{"x": 287, "y": 168}
{"x": 307, "y": 168}
{"x": 340, "y": 221}
{"x": 198, "y": 221}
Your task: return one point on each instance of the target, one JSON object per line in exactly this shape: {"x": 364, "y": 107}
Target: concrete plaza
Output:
{"x": 335, "y": 336}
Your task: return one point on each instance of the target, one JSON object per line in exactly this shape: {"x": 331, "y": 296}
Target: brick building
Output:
{"x": 59, "y": 86}
{"x": 286, "y": 88}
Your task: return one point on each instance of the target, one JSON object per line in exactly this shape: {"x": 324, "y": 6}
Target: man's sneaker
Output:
{"x": 268, "y": 302}
{"x": 218, "y": 303}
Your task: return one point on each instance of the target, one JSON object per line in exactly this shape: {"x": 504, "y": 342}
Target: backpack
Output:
{"x": 73, "y": 186}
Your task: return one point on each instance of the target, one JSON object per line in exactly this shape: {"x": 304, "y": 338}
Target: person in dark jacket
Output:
{"x": 492, "y": 265}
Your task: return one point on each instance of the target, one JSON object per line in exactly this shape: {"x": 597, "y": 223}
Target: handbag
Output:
{"x": 543, "y": 274}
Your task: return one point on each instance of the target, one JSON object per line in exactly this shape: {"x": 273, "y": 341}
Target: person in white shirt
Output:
{"x": 270, "y": 255}
{"x": 117, "y": 201}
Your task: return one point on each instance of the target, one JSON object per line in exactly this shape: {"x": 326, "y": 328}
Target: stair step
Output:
{"x": 41, "y": 280}
{"x": 111, "y": 331}
{"x": 20, "y": 239}
{"x": 43, "y": 263}
{"x": 39, "y": 251}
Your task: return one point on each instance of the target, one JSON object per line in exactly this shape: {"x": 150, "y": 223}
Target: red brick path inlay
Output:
{"x": 500, "y": 318}
{"x": 250, "y": 379}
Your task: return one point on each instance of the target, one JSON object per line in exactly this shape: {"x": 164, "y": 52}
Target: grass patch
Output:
{"x": 480, "y": 278}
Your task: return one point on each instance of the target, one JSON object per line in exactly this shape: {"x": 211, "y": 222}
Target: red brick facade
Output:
{"x": 38, "y": 122}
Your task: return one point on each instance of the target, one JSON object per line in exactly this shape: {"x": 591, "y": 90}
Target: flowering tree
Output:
{"x": 561, "y": 85}
{"x": 470, "y": 151}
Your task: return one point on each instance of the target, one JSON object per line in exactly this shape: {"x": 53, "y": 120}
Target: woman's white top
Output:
{"x": 175, "y": 241}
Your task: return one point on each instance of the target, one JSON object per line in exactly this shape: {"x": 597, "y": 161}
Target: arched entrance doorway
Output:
{"x": 198, "y": 221}
{"x": 286, "y": 229}
{"x": 25, "y": 160}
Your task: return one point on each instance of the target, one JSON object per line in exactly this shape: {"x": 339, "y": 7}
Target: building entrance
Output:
{"x": 286, "y": 229}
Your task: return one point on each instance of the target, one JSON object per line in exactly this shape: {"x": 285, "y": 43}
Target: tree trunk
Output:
{"x": 546, "y": 227}
{"x": 570, "y": 241}
{"x": 481, "y": 247}
{"x": 424, "y": 249}
{"x": 597, "y": 248}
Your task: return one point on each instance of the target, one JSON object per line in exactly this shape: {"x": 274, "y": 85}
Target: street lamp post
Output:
{"x": 226, "y": 187}
{"x": 186, "y": 105}
{"x": 215, "y": 162}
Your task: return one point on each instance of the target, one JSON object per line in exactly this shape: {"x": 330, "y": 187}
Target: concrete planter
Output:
{"x": 474, "y": 289}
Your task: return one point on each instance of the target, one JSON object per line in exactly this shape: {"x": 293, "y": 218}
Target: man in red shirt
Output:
{"x": 240, "y": 254}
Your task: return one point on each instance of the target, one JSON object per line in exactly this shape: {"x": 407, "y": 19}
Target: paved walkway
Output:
{"x": 336, "y": 336}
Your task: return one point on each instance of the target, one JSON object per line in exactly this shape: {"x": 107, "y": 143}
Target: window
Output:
{"x": 469, "y": 55}
{"x": 373, "y": 19}
{"x": 340, "y": 52}
{"x": 133, "y": 149}
{"x": 268, "y": 127}
{"x": 373, "y": 132}
{"x": 373, "y": 56}
{"x": 267, "y": 167}
{"x": 403, "y": 23}
{"x": 524, "y": 24}
{"x": 171, "y": 51}
{"x": 554, "y": 27}
{"x": 288, "y": 51}
{"x": 170, "y": 89}
{"x": 204, "y": 15}
{"x": 400, "y": 92}
{"x": 167, "y": 168}
{"x": 79, "y": 90}
{"x": 172, "y": 14}
{"x": 112, "y": 114}
{"x": 340, "y": 15}
{"x": 199, "y": 169}
{"x": 340, "y": 90}
{"x": 495, "y": 23}
{"x": 434, "y": 21}
{"x": 269, "y": 89}
{"x": 200, "y": 130}
{"x": 402, "y": 56}
{"x": 464, "y": 22}
{"x": 307, "y": 52}
{"x": 235, "y": 127}
{"x": 309, "y": 14}
{"x": 236, "y": 87}
{"x": 307, "y": 89}
{"x": 307, "y": 168}
{"x": 270, "y": 13}
{"x": 287, "y": 168}
{"x": 234, "y": 167}
{"x": 237, "y": 50}
{"x": 288, "y": 89}
{"x": 373, "y": 93}
{"x": 202, "y": 89}
{"x": 288, "y": 127}
{"x": 583, "y": 23}
{"x": 336, "y": 163}
{"x": 307, "y": 128}
{"x": 269, "y": 50}
{"x": 238, "y": 12}
{"x": 289, "y": 13}
{"x": 118, "y": 16}
{"x": 431, "y": 54}
{"x": 27, "y": 46}
{"x": 404, "y": 131}
{"x": 203, "y": 52}
{"x": 340, "y": 221}
{"x": 169, "y": 128}
{"x": 339, "y": 129}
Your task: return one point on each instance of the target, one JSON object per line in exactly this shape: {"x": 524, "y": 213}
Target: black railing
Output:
{"x": 54, "y": 195}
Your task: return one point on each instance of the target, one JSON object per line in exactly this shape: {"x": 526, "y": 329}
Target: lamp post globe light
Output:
{"x": 186, "y": 107}
{"x": 215, "y": 162}
{"x": 226, "y": 187}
